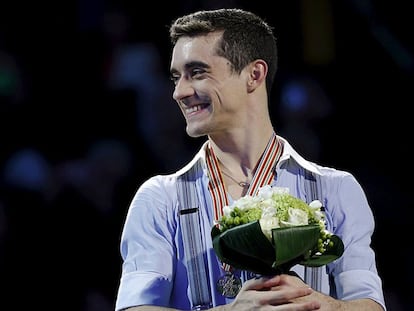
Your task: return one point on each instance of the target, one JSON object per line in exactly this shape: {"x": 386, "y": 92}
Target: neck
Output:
{"x": 265, "y": 165}
{"x": 238, "y": 160}
{"x": 239, "y": 155}
{"x": 243, "y": 182}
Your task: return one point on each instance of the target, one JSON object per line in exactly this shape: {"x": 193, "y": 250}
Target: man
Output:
{"x": 223, "y": 66}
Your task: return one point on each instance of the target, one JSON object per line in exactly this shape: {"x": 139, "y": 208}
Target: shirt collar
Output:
{"x": 288, "y": 152}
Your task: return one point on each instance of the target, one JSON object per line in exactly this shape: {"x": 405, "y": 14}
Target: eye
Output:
{"x": 197, "y": 73}
{"x": 174, "y": 78}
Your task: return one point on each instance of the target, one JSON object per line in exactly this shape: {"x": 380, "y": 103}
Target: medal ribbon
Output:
{"x": 263, "y": 176}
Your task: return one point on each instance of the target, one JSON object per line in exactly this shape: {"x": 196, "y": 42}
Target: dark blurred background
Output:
{"x": 86, "y": 115}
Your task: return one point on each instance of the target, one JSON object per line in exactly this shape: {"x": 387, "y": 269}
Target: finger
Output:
{"x": 283, "y": 295}
{"x": 261, "y": 283}
{"x": 273, "y": 281}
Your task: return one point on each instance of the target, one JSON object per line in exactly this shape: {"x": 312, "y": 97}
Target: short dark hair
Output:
{"x": 246, "y": 37}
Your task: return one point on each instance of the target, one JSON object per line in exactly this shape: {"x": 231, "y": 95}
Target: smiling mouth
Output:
{"x": 189, "y": 110}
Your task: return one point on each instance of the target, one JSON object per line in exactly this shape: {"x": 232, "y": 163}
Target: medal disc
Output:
{"x": 229, "y": 285}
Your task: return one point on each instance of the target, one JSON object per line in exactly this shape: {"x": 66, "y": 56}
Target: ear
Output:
{"x": 257, "y": 75}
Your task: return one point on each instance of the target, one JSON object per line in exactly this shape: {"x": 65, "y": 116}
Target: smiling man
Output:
{"x": 223, "y": 65}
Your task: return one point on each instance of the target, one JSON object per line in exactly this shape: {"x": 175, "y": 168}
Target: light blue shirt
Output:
{"x": 153, "y": 270}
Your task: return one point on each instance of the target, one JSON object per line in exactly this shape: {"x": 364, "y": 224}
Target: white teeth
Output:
{"x": 193, "y": 109}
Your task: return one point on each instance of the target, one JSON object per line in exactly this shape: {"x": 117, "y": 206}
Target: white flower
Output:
{"x": 287, "y": 222}
{"x": 267, "y": 224}
{"x": 297, "y": 217}
{"x": 274, "y": 207}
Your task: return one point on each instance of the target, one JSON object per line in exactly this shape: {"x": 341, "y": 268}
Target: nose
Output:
{"x": 183, "y": 88}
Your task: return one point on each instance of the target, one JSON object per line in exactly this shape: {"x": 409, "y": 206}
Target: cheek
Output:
{"x": 234, "y": 96}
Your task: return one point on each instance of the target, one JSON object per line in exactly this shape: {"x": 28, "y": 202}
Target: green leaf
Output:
{"x": 245, "y": 247}
{"x": 294, "y": 242}
{"x": 328, "y": 256}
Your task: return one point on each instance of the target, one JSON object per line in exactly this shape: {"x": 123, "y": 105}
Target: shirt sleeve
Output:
{"x": 351, "y": 218}
{"x": 147, "y": 249}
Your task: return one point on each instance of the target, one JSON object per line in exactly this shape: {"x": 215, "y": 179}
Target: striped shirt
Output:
{"x": 154, "y": 261}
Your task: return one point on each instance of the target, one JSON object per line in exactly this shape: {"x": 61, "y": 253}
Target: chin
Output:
{"x": 195, "y": 132}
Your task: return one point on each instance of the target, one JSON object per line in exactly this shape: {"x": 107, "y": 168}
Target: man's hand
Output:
{"x": 276, "y": 293}
{"x": 327, "y": 303}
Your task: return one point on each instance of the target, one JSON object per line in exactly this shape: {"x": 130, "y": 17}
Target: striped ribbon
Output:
{"x": 263, "y": 175}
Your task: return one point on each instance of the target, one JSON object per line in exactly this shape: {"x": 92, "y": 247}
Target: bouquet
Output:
{"x": 271, "y": 232}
